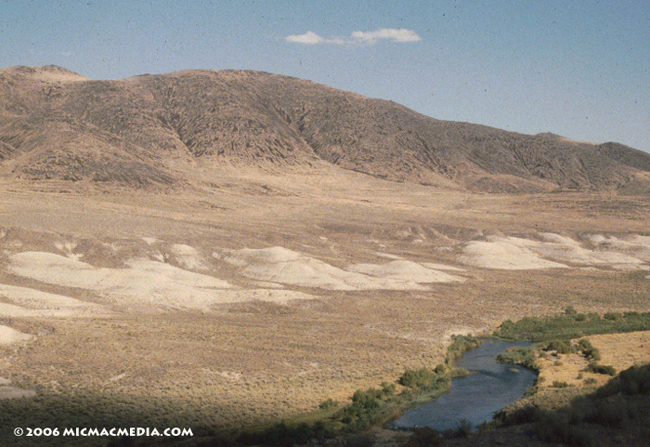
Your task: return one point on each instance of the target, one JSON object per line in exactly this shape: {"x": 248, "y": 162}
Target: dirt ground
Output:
{"x": 256, "y": 296}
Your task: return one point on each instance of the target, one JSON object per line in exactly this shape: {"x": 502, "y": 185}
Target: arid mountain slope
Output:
{"x": 154, "y": 129}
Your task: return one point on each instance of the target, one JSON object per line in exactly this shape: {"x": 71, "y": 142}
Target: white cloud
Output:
{"x": 311, "y": 38}
{"x": 394, "y": 35}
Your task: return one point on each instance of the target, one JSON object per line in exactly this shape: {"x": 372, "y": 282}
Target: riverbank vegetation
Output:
{"x": 365, "y": 408}
{"x": 369, "y": 407}
{"x": 578, "y": 401}
{"x": 459, "y": 345}
{"x": 336, "y": 417}
{"x": 525, "y": 357}
{"x": 572, "y": 324}
{"x": 554, "y": 335}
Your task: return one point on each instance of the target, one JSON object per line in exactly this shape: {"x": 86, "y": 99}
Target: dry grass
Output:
{"x": 251, "y": 361}
{"x": 618, "y": 350}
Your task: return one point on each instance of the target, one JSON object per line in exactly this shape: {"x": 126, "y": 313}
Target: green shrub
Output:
{"x": 570, "y": 311}
{"x": 613, "y": 316}
{"x": 406, "y": 393}
{"x": 561, "y": 346}
{"x": 459, "y": 345}
{"x": 531, "y": 391}
{"x": 328, "y": 404}
{"x": 588, "y": 350}
{"x": 557, "y": 384}
{"x": 388, "y": 389}
{"x": 417, "y": 378}
{"x": 368, "y": 399}
{"x": 521, "y": 356}
{"x": 632, "y": 381}
{"x": 571, "y": 324}
{"x": 635, "y": 380}
{"x": 601, "y": 369}
{"x": 458, "y": 372}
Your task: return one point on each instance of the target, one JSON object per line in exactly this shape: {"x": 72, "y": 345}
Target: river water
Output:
{"x": 475, "y": 398}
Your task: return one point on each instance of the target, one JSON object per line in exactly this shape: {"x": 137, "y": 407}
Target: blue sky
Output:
{"x": 577, "y": 68}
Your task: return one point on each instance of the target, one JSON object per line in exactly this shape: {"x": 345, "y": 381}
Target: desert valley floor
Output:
{"x": 249, "y": 296}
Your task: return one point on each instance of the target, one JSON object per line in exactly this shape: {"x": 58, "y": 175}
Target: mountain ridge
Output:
{"x": 152, "y": 129}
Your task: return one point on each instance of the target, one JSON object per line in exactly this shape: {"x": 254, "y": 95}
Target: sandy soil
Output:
{"x": 160, "y": 284}
{"x": 157, "y": 283}
{"x": 556, "y": 251}
{"x": 10, "y": 336}
{"x": 143, "y": 281}
{"x": 188, "y": 257}
{"x": 406, "y": 271}
{"x": 24, "y": 301}
{"x": 508, "y": 253}
{"x": 281, "y": 265}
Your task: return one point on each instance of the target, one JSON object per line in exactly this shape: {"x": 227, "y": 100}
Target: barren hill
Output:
{"x": 155, "y": 129}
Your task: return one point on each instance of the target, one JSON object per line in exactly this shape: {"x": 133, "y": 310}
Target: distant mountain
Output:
{"x": 146, "y": 130}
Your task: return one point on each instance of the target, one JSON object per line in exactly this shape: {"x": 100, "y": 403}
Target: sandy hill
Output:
{"x": 156, "y": 129}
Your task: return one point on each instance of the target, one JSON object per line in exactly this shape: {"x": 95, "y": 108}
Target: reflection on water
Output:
{"x": 475, "y": 398}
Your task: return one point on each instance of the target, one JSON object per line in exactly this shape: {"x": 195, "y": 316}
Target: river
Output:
{"x": 474, "y": 398}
